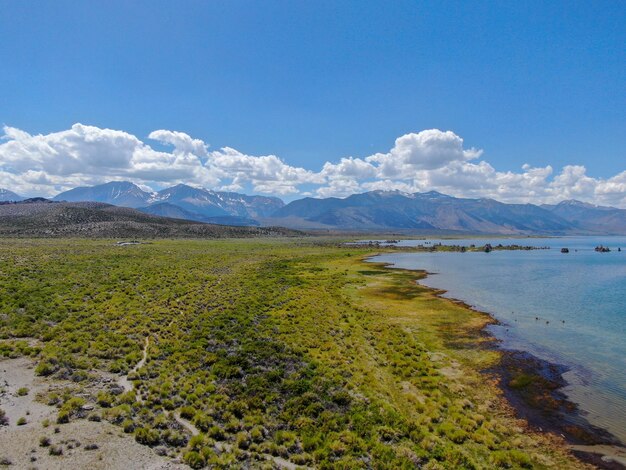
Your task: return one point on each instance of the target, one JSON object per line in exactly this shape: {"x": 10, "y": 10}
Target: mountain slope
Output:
{"x": 193, "y": 203}
{"x": 119, "y": 193}
{"x": 379, "y": 210}
{"x": 6, "y": 195}
{"x": 214, "y": 203}
{"x": 165, "y": 209}
{"x": 370, "y": 211}
{"x": 41, "y": 218}
{"x": 589, "y": 217}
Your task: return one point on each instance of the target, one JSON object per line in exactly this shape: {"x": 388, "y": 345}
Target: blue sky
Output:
{"x": 537, "y": 83}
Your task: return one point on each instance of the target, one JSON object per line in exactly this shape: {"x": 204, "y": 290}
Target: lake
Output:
{"x": 568, "y": 308}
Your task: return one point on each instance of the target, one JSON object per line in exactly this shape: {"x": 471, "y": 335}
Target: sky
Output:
{"x": 517, "y": 101}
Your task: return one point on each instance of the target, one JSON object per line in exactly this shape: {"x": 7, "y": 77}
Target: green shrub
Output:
{"x": 127, "y": 398}
{"x": 510, "y": 458}
{"x": 174, "y": 438}
{"x": 63, "y": 417}
{"x": 197, "y": 442}
{"x": 452, "y": 432}
{"x": 147, "y": 436}
{"x": 202, "y": 422}
{"x": 160, "y": 421}
{"x": 105, "y": 399}
{"x": 256, "y": 434}
{"x": 270, "y": 347}
{"x": 216, "y": 433}
{"x": 128, "y": 426}
{"x": 194, "y": 459}
{"x": 242, "y": 440}
{"x": 46, "y": 367}
{"x": 55, "y": 450}
{"x": 187, "y": 412}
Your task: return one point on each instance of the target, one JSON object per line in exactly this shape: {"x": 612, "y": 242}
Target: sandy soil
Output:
{"x": 15, "y": 374}
{"x": 85, "y": 444}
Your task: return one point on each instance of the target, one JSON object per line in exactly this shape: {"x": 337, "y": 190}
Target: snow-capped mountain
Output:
{"x": 195, "y": 203}
{"x": 372, "y": 211}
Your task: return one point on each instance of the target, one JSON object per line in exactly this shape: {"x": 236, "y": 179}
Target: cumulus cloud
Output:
{"x": 267, "y": 174}
{"x": 182, "y": 142}
{"x": 90, "y": 155}
{"x": 427, "y": 150}
{"x": 428, "y": 160}
{"x": 437, "y": 160}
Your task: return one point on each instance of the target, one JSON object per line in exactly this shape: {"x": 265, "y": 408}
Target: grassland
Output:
{"x": 262, "y": 353}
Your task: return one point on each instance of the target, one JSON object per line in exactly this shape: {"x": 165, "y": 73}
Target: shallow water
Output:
{"x": 565, "y": 308}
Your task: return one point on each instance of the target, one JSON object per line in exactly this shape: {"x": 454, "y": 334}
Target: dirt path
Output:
{"x": 123, "y": 381}
{"x": 188, "y": 425}
{"x": 282, "y": 463}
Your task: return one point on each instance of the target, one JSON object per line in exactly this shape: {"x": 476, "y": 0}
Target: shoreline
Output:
{"x": 532, "y": 387}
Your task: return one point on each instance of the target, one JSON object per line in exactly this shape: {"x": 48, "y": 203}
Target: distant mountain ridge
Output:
{"x": 182, "y": 201}
{"x": 118, "y": 193}
{"x": 6, "y": 195}
{"x": 381, "y": 211}
{"x": 436, "y": 212}
{"x": 586, "y": 216}
{"x": 431, "y": 211}
{"x": 165, "y": 209}
{"x": 38, "y": 217}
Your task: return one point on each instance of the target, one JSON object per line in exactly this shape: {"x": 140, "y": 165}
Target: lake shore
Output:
{"x": 348, "y": 364}
{"x": 532, "y": 386}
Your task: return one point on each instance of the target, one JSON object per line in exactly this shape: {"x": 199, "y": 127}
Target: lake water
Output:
{"x": 579, "y": 298}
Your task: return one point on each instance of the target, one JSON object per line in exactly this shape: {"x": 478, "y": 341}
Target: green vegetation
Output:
{"x": 266, "y": 349}
{"x": 55, "y": 450}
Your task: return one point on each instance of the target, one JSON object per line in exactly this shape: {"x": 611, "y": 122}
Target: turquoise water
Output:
{"x": 579, "y": 299}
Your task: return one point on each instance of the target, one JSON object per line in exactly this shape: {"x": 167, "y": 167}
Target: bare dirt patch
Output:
{"x": 82, "y": 443}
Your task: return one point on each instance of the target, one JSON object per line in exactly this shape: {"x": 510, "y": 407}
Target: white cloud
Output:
{"x": 89, "y": 155}
{"x": 423, "y": 161}
{"x": 340, "y": 187}
{"x": 267, "y": 174}
{"x": 182, "y": 142}
{"x": 349, "y": 168}
{"x": 427, "y": 150}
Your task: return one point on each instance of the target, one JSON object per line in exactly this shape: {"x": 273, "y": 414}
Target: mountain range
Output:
{"x": 180, "y": 201}
{"x": 6, "y": 195}
{"x": 381, "y": 211}
{"x": 39, "y": 217}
